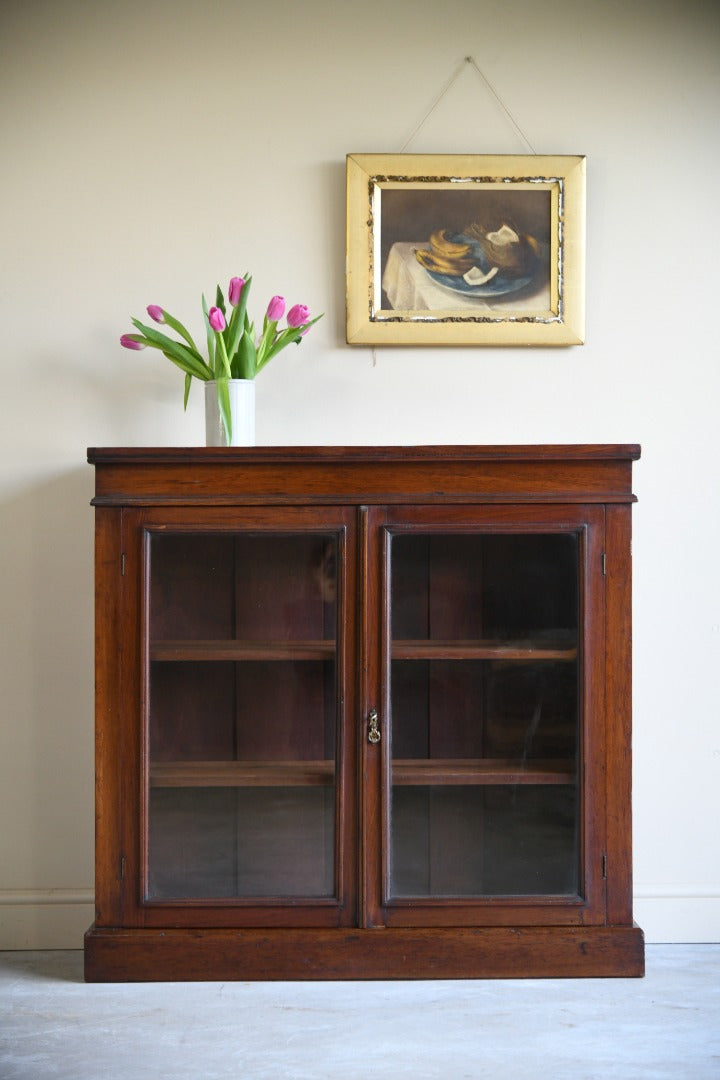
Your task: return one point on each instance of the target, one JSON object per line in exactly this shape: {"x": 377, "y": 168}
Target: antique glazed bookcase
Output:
{"x": 363, "y": 712}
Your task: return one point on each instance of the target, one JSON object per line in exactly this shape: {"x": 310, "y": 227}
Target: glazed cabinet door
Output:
{"x": 484, "y": 749}
{"x": 242, "y": 639}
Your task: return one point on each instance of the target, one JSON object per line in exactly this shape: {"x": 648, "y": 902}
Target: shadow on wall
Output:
{"x": 46, "y": 773}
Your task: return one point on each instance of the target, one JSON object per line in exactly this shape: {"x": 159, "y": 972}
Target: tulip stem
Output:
{"x": 223, "y": 354}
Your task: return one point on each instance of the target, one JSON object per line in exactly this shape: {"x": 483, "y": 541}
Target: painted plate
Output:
{"x": 500, "y": 285}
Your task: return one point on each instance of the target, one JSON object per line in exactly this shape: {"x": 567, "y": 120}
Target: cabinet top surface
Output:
{"x": 198, "y": 455}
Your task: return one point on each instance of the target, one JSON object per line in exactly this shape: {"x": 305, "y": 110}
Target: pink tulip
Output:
{"x": 298, "y": 316}
{"x": 130, "y": 341}
{"x": 276, "y": 308}
{"x": 216, "y": 319}
{"x": 235, "y": 288}
{"x": 156, "y": 312}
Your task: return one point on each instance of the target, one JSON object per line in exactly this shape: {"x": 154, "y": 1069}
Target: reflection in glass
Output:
{"x": 485, "y": 715}
{"x": 242, "y": 715}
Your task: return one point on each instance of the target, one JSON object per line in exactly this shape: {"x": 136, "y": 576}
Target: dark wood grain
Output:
{"x": 481, "y": 650}
{"x": 241, "y": 650}
{"x": 207, "y": 476}
{"x": 485, "y": 953}
{"x": 372, "y": 454}
{"x": 618, "y": 653}
{"x": 109, "y": 690}
{"x": 242, "y": 773}
{"x": 480, "y": 771}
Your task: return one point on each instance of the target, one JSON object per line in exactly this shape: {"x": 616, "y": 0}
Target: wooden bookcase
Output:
{"x": 363, "y": 712}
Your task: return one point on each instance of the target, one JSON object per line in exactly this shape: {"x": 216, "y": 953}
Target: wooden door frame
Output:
{"x": 590, "y": 907}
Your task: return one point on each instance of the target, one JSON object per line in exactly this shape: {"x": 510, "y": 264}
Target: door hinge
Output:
{"x": 122, "y": 564}
{"x": 122, "y": 868}
{"x": 604, "y": 564}
{"x": 604, "y": 866}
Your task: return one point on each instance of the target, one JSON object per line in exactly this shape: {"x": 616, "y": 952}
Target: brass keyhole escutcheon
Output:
{"x": 373, "y": 729}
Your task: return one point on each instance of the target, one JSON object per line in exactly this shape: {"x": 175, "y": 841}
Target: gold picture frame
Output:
{"x": 461, "y": 249}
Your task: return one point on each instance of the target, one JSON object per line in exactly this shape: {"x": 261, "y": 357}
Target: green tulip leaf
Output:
{"x": 178, "y": 327}
{"x": 222, "y": 353}
{"x": 181, "y": 364}
{"x": 245, "y": 362}
{"x": 223, "y": 393}
{"x": 186, "y": 358}
{"x": 292, "y": 334}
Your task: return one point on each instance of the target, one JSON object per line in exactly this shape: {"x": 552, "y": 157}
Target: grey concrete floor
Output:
{"x": 666, "y": 1025}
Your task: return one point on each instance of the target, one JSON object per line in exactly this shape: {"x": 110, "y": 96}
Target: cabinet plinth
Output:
{"x": 363, "y": 712}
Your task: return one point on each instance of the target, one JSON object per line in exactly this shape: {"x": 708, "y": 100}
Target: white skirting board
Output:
{"x": 45, "y": 918}
{"x": 682, "y": 914}
{"x": 58, "y": 918}
{"x": 686, "y": 921}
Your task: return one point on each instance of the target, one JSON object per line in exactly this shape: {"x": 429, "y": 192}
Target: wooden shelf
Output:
{"x": 407, "y": 772}
{"x": 483, "y": 650}
{"x": 488, "y": 771}
{"x": 227, "y": 649}
{"x": 242, "y": 773}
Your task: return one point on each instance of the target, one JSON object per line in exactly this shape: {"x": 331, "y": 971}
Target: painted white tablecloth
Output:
{"x": 409, "y": 287}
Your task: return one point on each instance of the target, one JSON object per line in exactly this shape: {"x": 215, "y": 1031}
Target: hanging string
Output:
{"x": 453, "y": 79}
{"x": 451, "y": 82}
{"x": 501, "y": 103}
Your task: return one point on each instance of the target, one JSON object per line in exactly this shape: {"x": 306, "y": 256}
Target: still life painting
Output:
{"x": 465, "y": 250}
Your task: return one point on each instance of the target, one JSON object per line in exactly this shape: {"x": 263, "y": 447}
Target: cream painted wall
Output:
{"x": 151, "y": 149}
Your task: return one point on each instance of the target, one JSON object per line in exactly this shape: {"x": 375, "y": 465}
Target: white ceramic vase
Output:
{"x": 242, "y": 411}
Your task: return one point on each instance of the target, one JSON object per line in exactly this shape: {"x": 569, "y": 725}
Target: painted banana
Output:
{"x": 447, "y": 249}
{"x": 454, "y": 267}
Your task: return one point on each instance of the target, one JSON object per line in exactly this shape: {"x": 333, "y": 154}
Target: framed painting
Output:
{"x": 465, "y": 250}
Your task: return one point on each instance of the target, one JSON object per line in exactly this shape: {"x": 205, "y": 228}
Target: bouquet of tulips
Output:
{"x": 234, "y": 349}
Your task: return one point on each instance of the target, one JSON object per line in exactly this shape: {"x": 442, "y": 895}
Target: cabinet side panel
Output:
{"x": 618, "y": 592}
{"x": 595, "y": 738}
{"x": 108, "y": 658}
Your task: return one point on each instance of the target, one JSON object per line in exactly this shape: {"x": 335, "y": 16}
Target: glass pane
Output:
{"x": 484, "y": 715}
{"x": 242, "y": 715}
